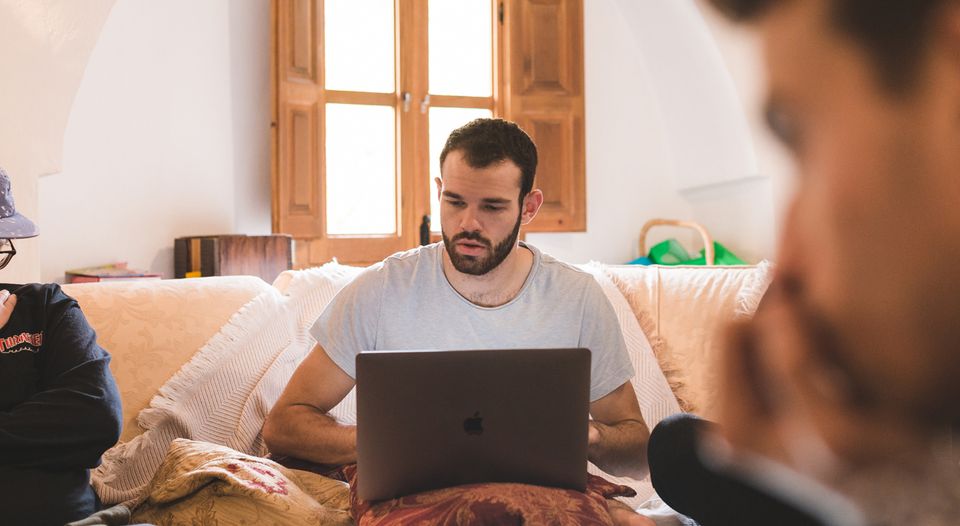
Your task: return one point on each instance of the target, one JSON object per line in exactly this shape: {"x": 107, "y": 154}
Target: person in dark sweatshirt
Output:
{"x": 59, "y": 404}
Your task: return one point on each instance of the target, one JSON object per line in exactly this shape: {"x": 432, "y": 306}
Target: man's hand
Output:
{"x": 623, "y": 515}
{"x": 7, "y": 303}
{"x": 593, "y": 436}
{"x": 762, "y": 405}
{"x": 617, "y": 436}
{"x": 786, "y": 392}
{"x": 747, "y": 408}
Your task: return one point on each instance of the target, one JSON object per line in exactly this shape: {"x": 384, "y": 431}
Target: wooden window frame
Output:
{"x": 537, "y": 82}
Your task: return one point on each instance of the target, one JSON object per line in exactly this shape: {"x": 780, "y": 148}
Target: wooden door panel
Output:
{"x": 553, "y": 132}
{"x": 301, "y": 40}
{"x": 544, "y": 51}
{"x": 301, "y": 209}
{"x": 547, "y": 48}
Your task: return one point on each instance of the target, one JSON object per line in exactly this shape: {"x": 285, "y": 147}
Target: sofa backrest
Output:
{"x": 151, "y": 328}
{"x": 683, "y": 310}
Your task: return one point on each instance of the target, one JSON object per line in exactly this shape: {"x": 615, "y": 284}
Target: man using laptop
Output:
{"x": 480, "y": 288}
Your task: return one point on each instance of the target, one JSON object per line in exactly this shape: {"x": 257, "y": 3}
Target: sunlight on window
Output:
{"x": 442, "y": 122}
{"x": 461, "y": 47}
{"x": 359, "y": 45}
{"x": 361, "y": 170}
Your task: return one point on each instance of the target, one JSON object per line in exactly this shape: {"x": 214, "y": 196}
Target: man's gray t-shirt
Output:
{"x": 405, "y": 303}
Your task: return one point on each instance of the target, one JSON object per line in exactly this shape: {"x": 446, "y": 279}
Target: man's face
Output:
{"x": 872, "y": 239}
{"x": 480, "y": 213}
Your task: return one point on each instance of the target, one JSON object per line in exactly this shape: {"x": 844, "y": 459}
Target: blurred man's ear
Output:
{"x": 952, "y": 16}
{"x": 946, "y": 75}
{"x": 949, "y": 36}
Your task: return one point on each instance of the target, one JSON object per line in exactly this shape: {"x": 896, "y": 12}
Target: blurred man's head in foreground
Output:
{"x": 866, "y": 96}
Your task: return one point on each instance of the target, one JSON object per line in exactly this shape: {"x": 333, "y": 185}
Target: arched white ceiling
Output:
{"x": 702, "y": 115}
{"x": 44, "y": 49}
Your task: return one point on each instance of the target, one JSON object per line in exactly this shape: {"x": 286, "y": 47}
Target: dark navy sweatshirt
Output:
{"x": 59, "y": 408}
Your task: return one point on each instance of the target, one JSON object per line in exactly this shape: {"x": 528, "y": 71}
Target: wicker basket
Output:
{"x": 707, "y": 240}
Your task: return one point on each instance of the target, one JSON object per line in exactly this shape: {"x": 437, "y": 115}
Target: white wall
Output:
{"x": 44, "y": 47}
{"x": 168, "y": 136}
{"x": 741, "y": 52}
{"x": 629, "y": 167}
{"x": 250, "y": 94}
{"x": 667, "y": 136}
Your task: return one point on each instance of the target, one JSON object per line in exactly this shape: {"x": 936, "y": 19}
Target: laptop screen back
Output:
{"x": 435, "y": 419}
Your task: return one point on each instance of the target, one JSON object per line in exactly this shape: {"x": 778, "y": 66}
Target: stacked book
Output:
{"x": 109, "y": 272}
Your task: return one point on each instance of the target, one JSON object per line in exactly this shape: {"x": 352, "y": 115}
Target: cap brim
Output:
{"x": 17, "y": 227}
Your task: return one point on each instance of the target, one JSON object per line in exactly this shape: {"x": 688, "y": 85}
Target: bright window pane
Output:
{"x": 461, "y": 47}
{"x": 359, "y": 45}
{"x": 361, "y": 169}
{"x": 442, "y": 122}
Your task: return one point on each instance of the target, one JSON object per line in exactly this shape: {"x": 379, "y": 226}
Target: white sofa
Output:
{"x": 205, "y": 358}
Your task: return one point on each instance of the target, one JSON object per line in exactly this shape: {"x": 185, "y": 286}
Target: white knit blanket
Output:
{"x": 223, "y": 394}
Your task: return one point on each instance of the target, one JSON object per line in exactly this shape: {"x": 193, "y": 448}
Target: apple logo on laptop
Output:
{"x": 474, "y": 424}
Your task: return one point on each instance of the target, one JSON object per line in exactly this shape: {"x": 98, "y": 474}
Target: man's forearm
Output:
{"x": 38, "y": 434}
{"x": 307, "y": 433}
{"x": 67, "y": 425}
{"x": 620, "y": 449}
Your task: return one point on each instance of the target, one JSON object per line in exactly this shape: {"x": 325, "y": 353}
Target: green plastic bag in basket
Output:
{"x": 670, "y": 252}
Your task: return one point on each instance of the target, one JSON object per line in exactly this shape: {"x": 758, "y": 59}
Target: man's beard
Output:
{"x": 477, "y": 265}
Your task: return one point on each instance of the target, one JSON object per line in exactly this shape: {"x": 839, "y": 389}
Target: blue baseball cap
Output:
{"x": 12, "y": 224}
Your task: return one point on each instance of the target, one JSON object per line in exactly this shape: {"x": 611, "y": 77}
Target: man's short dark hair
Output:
{"x": 488, "y": 141}
{"x": 894, "y": 33}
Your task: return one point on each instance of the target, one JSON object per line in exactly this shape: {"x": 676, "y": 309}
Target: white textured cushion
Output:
{"x": 153, "y": 327}
{"x": 683, "y": 311}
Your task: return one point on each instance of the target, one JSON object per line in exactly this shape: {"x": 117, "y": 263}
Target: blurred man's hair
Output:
{"x": 894, "y": 33}
{"x": 488, "y": 141}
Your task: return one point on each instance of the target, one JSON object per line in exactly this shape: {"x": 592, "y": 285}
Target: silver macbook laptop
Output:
{"x": 436, "y": 419}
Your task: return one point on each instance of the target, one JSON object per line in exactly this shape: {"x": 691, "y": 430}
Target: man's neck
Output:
{"x": 497, "y": 287}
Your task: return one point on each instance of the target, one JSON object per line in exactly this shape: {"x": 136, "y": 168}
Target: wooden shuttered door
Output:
{"x": 543, "y": 93}
{"x": 538, "y": 72}
{"x": 298, "y": 120}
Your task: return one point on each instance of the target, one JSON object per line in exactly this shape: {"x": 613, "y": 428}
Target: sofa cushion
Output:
{"x": 151, "y": 328}
{"x": 683, "y": 311}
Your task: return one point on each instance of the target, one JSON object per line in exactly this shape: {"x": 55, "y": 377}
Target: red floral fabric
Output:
{"x": 489, "y": 503}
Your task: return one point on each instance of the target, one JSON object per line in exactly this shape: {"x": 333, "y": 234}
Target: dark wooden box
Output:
{"x": 232, "y": 255}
